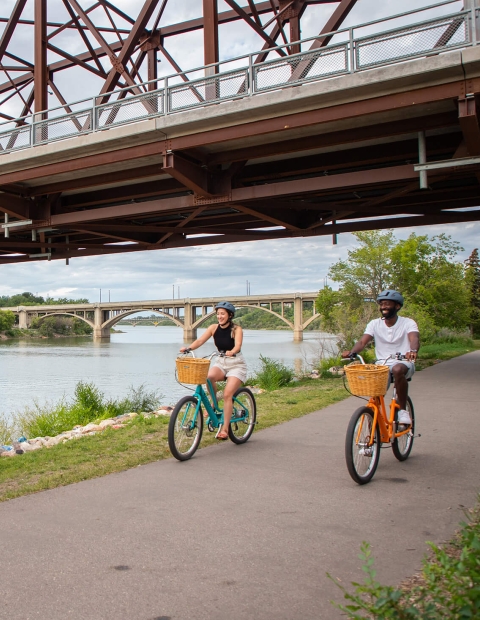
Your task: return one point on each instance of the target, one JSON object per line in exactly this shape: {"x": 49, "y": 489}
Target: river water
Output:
{"x": 47, "y": 369}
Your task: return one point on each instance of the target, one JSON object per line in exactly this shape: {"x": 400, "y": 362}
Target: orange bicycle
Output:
{"x": 370, "y": 426}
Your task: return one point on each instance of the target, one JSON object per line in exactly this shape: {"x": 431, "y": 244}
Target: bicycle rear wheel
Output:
{"x": 362, "y": 459}
{"x": 185, "y": 428}
{"x": 243, "y": 406}
{"x": 402, "y": 446}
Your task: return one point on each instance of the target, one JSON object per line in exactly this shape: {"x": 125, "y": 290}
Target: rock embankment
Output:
{"x": 29, "y": 445}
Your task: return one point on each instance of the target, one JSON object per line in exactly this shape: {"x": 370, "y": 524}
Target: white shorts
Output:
{"x": 232, "y": 366}
{"x": 407, "y": 363}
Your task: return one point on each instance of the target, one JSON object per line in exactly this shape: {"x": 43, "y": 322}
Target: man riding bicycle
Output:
{"x": 393, "y": 334}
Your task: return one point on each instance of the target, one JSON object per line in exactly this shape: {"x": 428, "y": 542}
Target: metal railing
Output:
{"x": 241, "y": 77}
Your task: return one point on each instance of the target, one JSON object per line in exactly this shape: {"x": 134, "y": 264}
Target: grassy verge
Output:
{"x": 144, "y": 441}
{"x": 431, "y": 354}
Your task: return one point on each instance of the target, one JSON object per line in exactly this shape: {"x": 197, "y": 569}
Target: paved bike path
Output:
{"x": 246, "y": 532}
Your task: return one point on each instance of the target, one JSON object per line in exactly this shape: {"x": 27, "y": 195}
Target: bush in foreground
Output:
{"x": 449, "y": 587}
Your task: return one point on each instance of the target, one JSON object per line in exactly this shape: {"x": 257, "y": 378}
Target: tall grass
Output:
{"x": 446, "y": 342}
{"x": 87, "y": 405}
{"x": 272, "y": 374}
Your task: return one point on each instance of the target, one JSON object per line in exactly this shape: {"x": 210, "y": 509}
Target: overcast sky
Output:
{"x": 221, "y": 270}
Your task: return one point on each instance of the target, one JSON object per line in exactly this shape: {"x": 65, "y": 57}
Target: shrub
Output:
{"x": 7, "y": 319}
{"x": 272, "y": 374}
{"x": 449, "y": 586}
{"x": 87, "y": 405}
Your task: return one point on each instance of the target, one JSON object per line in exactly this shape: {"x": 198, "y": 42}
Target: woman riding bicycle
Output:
{"x": 228, "y": 339}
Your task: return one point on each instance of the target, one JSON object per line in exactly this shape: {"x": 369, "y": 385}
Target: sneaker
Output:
{"x": 404, "y": 417}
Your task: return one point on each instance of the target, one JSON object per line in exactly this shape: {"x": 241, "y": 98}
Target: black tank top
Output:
{"x": 223, "y": 338}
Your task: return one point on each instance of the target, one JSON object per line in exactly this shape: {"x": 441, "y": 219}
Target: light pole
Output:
{"x": 100, "y": 295}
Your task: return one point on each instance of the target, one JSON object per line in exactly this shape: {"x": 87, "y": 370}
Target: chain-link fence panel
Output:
{"x": 412, "y": 41}
{"x": 135, "y": 108}
{"x": 314, "y": 65}
{"x": 212, "y": 89}
{"x": 15, "y": 139}
{"x": 62, "y": 127}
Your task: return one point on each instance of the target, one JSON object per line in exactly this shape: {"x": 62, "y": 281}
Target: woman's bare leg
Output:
{"x": 233, "y": 383}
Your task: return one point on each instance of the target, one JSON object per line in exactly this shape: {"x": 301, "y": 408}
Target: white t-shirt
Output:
{"x": 391, "y": 340}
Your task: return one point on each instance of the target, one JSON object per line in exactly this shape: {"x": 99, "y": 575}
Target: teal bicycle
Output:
{"x": 191, "y": 412}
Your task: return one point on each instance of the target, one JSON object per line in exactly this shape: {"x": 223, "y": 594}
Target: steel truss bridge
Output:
{"x": 189, "y": 314}
{"x": 366, "y": 127}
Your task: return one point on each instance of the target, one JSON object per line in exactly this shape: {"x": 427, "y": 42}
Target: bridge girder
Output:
{"x": 321, "y": 167}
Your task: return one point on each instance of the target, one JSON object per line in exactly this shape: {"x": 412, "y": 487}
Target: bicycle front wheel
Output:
{"x": 362, "y": 458}
{"x": 402, "y": 446}
{"x": 185, "y": 428}
{"x": 244, "y": 407}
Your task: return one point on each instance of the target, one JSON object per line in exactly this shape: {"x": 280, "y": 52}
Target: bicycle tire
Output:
{"x": 362, "y": 461}
{"x": 402, "y": 446}
{"x": 240, "y": 432}
{"x": 185, "y": 429}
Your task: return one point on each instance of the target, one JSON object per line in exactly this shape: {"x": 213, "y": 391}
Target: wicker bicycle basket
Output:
{"x": 192, "y": 370}
{"x": 367, "y": 379}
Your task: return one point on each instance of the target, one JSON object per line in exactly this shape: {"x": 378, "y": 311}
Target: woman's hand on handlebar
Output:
{"x": 185, "y": 350}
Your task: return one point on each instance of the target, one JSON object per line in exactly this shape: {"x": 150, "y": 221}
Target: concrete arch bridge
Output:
{"x": 189, "y": 314}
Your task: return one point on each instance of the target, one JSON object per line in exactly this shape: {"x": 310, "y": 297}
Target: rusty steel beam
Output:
{"x": 10, "y": 27}
{"x": 15, "y": 206}
{"x": 335, "y": 138}
{"x": 129, "y": 45}
{"x": 266, "y": 217}
{"x": 243, "y": 194}
{"x": 40, "y": 44}
{"x": 468, "y": 119}
{"x": 335, "y": 21}
{"x": 210, "y": 32}
{"x": 190, "y": 175}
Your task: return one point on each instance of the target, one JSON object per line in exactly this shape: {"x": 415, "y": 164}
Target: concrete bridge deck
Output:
{"x": 246, "y": 531}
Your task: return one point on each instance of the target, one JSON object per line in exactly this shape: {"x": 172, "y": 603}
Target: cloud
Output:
{"x": 276, "y": 266}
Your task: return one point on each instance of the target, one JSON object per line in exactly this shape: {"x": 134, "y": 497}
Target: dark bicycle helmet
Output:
{"x": 226, "y": 305}
{"x": 390, "y": 295}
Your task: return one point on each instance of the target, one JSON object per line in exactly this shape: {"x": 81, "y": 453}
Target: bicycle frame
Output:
{"x": 215, "y": 414}
{"x": 386, "y": 426}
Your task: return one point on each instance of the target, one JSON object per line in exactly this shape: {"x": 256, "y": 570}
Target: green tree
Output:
{"x": 424, "y": 269}
{"x": 472, "y": 276}
{"x": 7, "y": 320}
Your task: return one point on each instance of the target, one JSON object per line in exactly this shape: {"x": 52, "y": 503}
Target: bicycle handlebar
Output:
{"x": 354, "y": 356}
{"x": 215, "y": 353}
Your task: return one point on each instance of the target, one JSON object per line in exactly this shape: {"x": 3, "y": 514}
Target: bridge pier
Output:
{"x": 23, "y": 319}
{"x": 189, "y": 332}
{"x": 100, "y": 334}
{"x": 298, "y": 319}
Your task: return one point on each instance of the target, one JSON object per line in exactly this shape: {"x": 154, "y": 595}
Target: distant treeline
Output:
{"x": 29, "y": 299}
